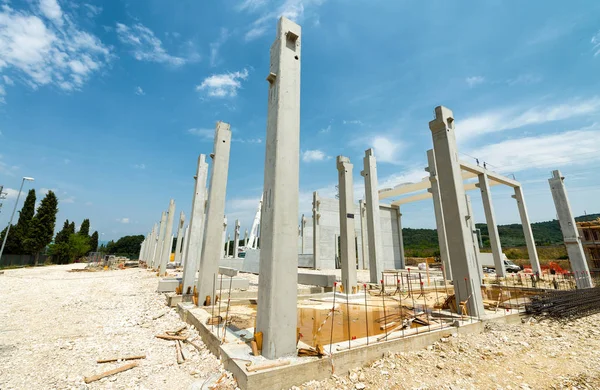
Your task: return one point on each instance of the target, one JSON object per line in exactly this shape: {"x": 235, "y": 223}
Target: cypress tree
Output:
{"x": 94, "y": 242}
{"x": 84, "y": 230}
{"x": 41, "y": 229}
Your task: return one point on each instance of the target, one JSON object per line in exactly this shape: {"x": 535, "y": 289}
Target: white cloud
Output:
{"x": 247, "y": 140}
{"x": 51, "y": 10}
{"x": 145, "y": 45}
{"x": 92, "y": 10}
{"x": 292, "y": 9}
{"x": 139, "y": 91}
{"x": 596, "y": 43}
{"x": 223, "y": 85}
{"x": 123, "y": 220}
{"x": 515, "y": 117}
{"x": 546, "y": 151}
{"x": 11, "y": 193}
{"x": 314, "y": 155}
{"x": 386, "y": 149}
{"x": 353, "y": 122}
{"x": 474, "y": 80}
{"x": 216, "y": 45}
{"x": 70, "y": 199}
{"x": 8, "y": 80}
{"x": 56, "y": 53}
{"x": 207, "y": 134}
{"x": 139, "y": 166}
{"x": 525, "y": 79}
{"x": 7, "y": 169}
{"x": 413, "y": 175}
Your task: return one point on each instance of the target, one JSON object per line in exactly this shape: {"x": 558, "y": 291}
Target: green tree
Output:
{"x": 94, "y": 242}
{"x": 79, "y": 246}
{"x": 125, "y": 246}
{"x": 41, "y": 229}
{"x": 18, "y": 233}
{"x": 84, "y": 230}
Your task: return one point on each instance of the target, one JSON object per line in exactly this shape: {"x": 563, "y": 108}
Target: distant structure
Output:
{"x": 589, "y": 232}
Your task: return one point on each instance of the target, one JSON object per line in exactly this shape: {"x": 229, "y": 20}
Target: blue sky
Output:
{"x": 109, "y": 103}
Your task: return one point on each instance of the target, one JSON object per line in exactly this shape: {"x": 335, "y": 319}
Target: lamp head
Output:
{"x": 28, "y": 178}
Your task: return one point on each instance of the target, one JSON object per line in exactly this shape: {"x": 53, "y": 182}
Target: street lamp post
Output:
{"x": 13, "y": 214}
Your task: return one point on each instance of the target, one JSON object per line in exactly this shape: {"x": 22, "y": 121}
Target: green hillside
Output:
{"x": 545, "y": 233}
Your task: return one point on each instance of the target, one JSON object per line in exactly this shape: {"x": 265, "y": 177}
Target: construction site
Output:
{"x": 322, "y": 301}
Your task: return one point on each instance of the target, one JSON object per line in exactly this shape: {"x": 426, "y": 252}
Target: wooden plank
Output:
{"x": 135, "y": 357}
{"x": 93, "y": 378}
{"x": 169, "y": 337}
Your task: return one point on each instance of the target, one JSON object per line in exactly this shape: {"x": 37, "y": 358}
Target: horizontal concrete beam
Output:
{"x": 316, "y": 280}
{"x": 228, "y": 271}
{"x": 407, "y": 188}
{"x": 427, "y": 195}
{"x": 493, "y": 176}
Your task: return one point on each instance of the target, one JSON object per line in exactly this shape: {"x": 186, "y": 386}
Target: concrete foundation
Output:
{"x": 276, "y": 311}
{"x": 579, "y": 265}
{"x": 166, "y": 285}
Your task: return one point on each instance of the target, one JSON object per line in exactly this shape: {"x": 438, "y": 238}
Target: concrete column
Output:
{"x": 400, "y": 238}
{"x": 364, "y": 239}
{"x": 439, "y": 216}
{"x": 153, "y": 245}
{"x": 184, "y": 249}
{"x": 316, "y": 231}
{"x": 467, "y": 285}
{"x": 142, "y": 246}
{"x": 194, "y": 233}
{"x": 246, "y": 238}
{"x": 347, "y": 235}
{"x": 168, "y": 244}
{"x": 227, "y": 243}
{"x": 490, "y": 219}
{"x": 160, "y": 242}
{"x": 179, "y": 238}
{"x": 277, "y": 290}
{"x": 224, "y": 241}
{"x": 236, "y": 239}
{"x": 302, "y": 226}
{"x": 212, "y": 247}
{"x": 529, "y": 240}
{"x": 376, "y": 265}
{"x": 579, "y": 265}
{"x": 475, "y": 241}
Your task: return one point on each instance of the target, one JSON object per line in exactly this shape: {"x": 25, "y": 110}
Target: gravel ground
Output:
{"x": 55, "y": 324}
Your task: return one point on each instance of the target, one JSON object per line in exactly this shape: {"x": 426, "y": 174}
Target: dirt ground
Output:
{"x": 54, "y": 324}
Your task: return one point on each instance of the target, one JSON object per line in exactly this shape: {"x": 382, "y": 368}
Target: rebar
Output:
{"x": 565, "y": 303}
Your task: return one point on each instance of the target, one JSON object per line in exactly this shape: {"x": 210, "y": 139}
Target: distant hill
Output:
{"x": 545, "y": 233}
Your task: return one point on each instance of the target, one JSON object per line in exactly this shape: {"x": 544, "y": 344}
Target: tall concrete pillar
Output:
{"x": 316, "y": 231}
{"x": 439, "y": 217}
{"x": 277, "y": 290}
{"x": 376, "y": 265}
{"x": 160, "y": 242}
{"x": 579, "y": 265}
{"x": 490, "y": 219}
{"x": 212, "y": 247}
{"x": 153, "y": 245}
{"x": 529, "y": 240}
{"x": 227, "y": 243}
{"x": 179, "y": 238}
{"x": 224, "y": 241}
{"x": 246, "y": 238}
{"x": 194, "y": 234}
{"x": 141, "y": 254}
{"x": 168, "y": 244}
{"x": 364, "y": 239}
{"x": 474, "y": 235}
{"x": 400, "y": 238}
{"x": 347, "y": 234}
{"x": 236, "y": 239}
{"x": 302, "y": 227}
{"x": 184, "y": 249}
{"x": 467, "y": 285}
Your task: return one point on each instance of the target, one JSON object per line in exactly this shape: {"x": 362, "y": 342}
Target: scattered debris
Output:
{"x": 136, "y": 357}
{"x": 93, "y": 378}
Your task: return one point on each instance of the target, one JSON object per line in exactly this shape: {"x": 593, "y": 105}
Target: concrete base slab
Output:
{"x": 170, "y": 284}
{"x": 316, "y": 280}
{"x": 235, "y": 354}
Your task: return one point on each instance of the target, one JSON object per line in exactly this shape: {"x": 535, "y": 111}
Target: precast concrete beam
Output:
{"x": 161, "y": 241}
{"x": 467, "y": 284}
{"x": 490, "y": 219}
{"x": 347, "y": 234}
{"x": 373, "y": 216}
{"x": 579, "y": 265}
{"x": 194, "y": 234}
{"x": 277, "y": 307}
{"x": 364, "y": 239}
{"x": 212, "y": 247}
{"x": 439, "y": 215}
{"x": 316, "y": 231}
{"x": 236, "y": 239}
{"x": 168, "y": 243}
{"x": 527, "y": 232}
{"x": 400, "y": 237}
{"x": 179, "y": 244}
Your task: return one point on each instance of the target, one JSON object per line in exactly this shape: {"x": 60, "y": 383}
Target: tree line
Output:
{"x": 34, "y": 233}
